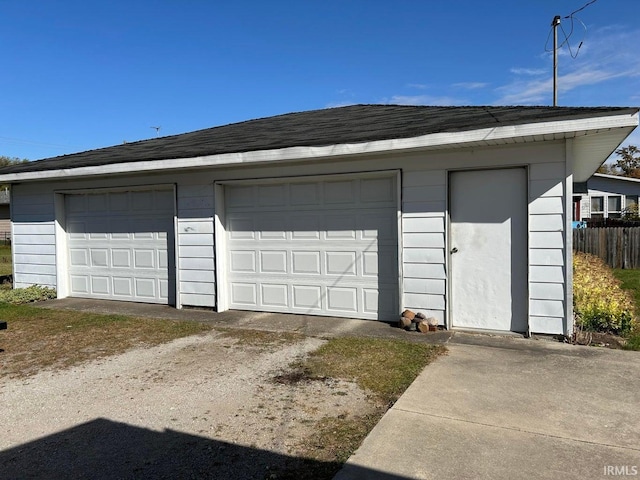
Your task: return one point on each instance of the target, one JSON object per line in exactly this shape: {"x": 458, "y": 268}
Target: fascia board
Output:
{"x": 565, "y": 128}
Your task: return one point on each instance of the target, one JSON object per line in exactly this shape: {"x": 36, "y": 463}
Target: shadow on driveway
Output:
{"x": 103, "y": 449}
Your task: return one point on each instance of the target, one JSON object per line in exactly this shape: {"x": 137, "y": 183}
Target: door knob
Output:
{"x": 454, "y": 250}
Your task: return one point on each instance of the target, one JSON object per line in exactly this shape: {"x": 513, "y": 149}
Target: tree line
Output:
{"x": 627, "y": 164}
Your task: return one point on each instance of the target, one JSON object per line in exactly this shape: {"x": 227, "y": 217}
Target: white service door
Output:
{"x": 120, "y": 245}
{"x": 319, "y": 247}
{"x": 488, "y": 242}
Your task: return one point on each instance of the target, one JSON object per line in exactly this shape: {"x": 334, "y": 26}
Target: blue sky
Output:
{"x": 79, "y": 75}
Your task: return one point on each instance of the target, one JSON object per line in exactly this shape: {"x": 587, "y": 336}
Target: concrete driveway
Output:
{"x": 511, "y": 408}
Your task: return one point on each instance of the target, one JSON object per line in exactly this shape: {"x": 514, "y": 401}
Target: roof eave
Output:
{"x": 622, "y": 125}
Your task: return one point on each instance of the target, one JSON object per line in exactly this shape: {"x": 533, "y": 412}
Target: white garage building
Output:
{"x": 463, "y": 213}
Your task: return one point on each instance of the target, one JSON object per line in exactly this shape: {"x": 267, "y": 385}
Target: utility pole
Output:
{"x": 554, "y": 24}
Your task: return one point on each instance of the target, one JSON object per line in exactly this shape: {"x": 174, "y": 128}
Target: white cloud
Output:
{"x": 420, "y": 86}
{"x": 529, "y": 71}
{"x": 609, "y": 54}
{"x": 470, "y": 85}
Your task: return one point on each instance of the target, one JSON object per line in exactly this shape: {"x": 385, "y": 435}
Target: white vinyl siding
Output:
{"x": 546, "y": 248}
{"x": 196, "y": 266}
{"x": 34, "y": 242}
{"x": 423, "y": 242}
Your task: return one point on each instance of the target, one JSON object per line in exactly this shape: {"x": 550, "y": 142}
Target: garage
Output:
{"x": 321, "y": 246}
{"x": 126, "y": 252}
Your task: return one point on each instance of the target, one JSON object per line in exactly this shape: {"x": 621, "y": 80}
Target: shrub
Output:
{"x": 599, "y": 302}
{"x": 34, "y": 293}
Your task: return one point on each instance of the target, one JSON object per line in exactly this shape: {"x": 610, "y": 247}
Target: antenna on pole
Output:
{"x": 554, "y": 24}
{"x": 157, "y": 129}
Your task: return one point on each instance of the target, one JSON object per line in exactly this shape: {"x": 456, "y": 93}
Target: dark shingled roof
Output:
{"x": 351, "y": 124}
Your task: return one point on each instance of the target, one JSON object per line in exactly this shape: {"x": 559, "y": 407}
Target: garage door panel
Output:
{"x": 76, "y": 203}
{"x": 305, "y": 227}
{"x": 342, "y": 299}
{"x": 123, "y": 286}
{"x": 143, "y": 258}
{"x": 163, "y": 259}
{"x": 274, "y": 295}
{"x": 244, "y": 294}
{"x": 271, "y": 195}
{"x": 329, "y": 248}
{"x": 341, "y": 263}
{"x": 239, "y": 196}
{"x": 339, "y": 192}
{"x": 305, "y": 262}
{"x": 163, "y": 286}
{"x": 243, "y": 261}
{"x": 307, "y": 297}
{"x": 121, "y": 258}
{"x": 378, "y": 190}
{"x": 100, "y": 285}
{"x": 79, "y": 284}
{"x": 241, "y": 227}
{"x": 99, "y": 257}
{"x": 273, "y": 261}
{"x": 79, "y": 257}
{"x": 119, "y": 244}
{"x": 304, "y": 194}
{"x": 340, "y": 227}
{"x": 145, "y": 287}
{"x": 142, "y": 201}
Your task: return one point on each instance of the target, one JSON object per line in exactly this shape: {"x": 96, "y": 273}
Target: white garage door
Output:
{"x": 320, "y": 247}
{"x": 121, "y": 245}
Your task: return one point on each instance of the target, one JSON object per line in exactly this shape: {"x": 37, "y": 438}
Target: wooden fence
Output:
{"x": 618, "y": 246}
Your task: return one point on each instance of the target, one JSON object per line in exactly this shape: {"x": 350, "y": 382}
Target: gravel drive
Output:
{"x": 198, "y": 407}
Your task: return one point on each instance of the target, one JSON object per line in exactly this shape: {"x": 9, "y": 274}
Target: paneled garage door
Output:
{"x": 121, "y": 245}
{"x": 321, "y": 247}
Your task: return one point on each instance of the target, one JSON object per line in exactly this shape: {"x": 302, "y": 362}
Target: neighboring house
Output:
{"x": 358, "y": 211}
{"x": 5, "y": 215}
{"x": 607, "y": 197}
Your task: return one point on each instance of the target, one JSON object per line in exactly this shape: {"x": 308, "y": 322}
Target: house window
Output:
{"x": 631, "y": 206}
{"x": 597, "y": 207}
{"x": 614, "y": 207}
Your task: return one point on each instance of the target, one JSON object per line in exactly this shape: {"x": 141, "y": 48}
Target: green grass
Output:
{"x": 362, "y": 360}
{"x": 631, "y": 281}
{"x": 6, "y": 266}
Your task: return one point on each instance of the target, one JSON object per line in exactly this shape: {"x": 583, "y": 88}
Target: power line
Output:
{"x": 581, "y": 8}
{"x": 32, "y": 142}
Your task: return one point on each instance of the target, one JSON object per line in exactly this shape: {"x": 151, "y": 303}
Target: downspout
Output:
{"x": 568, "y": 231}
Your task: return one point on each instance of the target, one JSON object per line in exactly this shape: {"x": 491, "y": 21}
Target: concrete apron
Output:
{"x": 528, "y": 409}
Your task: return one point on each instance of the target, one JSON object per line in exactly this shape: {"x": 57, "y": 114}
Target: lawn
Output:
{"x": 6, "y": 267}
{"x": 630, "y": 279}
